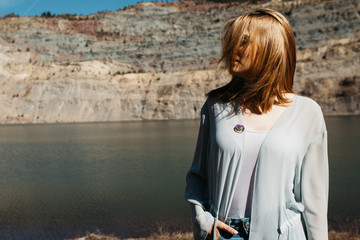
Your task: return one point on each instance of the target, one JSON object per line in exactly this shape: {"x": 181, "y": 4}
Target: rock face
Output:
{"x": 157, "y": 60}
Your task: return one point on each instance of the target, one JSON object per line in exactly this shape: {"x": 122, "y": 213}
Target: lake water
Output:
{"x": 63, "y": 180}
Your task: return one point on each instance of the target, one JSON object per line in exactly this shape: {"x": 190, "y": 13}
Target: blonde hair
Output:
{"x": 264, "y": 42}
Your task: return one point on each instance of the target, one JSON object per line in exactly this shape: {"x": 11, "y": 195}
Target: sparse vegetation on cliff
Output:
{"x": 48, "y": 14}
{"x": 237, "y": 1}
{"x": 11, "y": 15}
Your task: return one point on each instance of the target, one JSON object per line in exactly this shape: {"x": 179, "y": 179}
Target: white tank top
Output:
{"x": 241, "y": 203}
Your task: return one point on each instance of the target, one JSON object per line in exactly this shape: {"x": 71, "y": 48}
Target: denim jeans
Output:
{"x": 241, "y": 225}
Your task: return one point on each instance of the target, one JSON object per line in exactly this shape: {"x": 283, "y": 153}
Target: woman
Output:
{"x": 260, "y": 169}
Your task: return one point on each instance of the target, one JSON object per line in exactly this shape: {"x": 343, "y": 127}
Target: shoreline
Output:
{"x": 188, "y": 236}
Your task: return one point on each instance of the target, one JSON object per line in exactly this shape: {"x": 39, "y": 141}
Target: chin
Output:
{"x": 235, "y": 72}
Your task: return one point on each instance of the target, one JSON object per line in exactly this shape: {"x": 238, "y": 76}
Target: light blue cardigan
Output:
{"x": 291, "y": 175}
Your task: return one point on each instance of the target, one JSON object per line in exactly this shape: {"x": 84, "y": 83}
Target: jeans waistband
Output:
{"x": 239, "y": 224}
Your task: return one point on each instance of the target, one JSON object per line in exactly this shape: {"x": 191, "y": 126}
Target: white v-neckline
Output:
{"x": 277, "y": 120}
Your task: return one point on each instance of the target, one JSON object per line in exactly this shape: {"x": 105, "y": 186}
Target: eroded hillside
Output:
{"x": 157, "y": 60}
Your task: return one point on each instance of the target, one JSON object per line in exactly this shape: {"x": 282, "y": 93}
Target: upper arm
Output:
{"x": 196, "y": 176}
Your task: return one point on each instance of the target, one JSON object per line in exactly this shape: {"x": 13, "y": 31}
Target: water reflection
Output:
{"x": 61, "y": 181}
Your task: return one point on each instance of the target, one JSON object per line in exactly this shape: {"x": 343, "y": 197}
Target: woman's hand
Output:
{"x": 220, "y": 226}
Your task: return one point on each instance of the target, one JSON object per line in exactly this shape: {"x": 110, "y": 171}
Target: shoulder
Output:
{"x": 310, "y": 111}
{"x": 308, "y": 105}
{"x": 213, "y": 105}
{"x": 307, "y": 101}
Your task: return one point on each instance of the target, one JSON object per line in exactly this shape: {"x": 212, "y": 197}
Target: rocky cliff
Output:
{"x": 157, "y": 60}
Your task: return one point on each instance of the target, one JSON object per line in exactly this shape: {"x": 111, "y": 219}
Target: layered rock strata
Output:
{"x": 157, "y": 60}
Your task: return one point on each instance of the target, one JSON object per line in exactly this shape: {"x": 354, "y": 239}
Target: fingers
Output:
{"x": 223, "y": 226}
{"x": 217, "y": 234}
{"x": 210, "y": 234}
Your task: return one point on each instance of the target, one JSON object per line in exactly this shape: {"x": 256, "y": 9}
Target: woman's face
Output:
{"x": 240, "y": 59}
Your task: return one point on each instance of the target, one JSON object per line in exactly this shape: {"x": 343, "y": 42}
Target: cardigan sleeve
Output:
{"x": 314, "y": 188}
{"x": 196, "y": 182}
